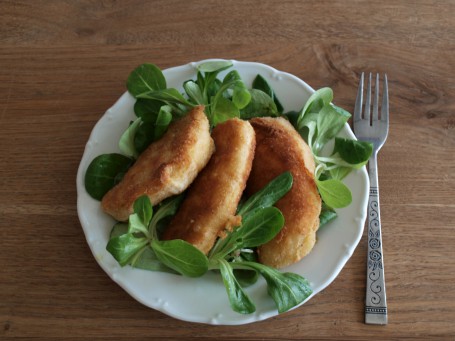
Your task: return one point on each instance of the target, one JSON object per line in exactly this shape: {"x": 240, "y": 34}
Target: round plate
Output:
{"x": 204, "y": 299}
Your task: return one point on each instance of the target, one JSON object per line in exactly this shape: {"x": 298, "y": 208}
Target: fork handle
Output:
{"x": 375, "y": 303}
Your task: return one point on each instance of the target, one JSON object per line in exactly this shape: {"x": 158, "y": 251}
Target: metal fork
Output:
{"x": 373, "y": 128}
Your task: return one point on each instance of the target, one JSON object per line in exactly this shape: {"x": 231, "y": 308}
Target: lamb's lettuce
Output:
{"x": 146, "y": 77}
{"x": 104, "y": 172}
{"x": 318, "y": 122}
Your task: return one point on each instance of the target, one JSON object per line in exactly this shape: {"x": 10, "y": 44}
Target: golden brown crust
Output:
{"x": 167, "y": 167}
{"x": 280, "y": 148}
{"x": 211, "y": 202}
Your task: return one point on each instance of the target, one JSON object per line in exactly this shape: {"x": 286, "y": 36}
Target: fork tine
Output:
{"x": 385, "y": 101}
{"x": 376, "y": 100}
{"x": 366, "y": 113}
{"x": 359, "y": 101}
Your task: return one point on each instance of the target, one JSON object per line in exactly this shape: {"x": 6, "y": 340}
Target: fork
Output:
{"x": 371, "y": 127}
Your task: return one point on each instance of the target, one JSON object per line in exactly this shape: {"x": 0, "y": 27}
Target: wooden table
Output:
{"x": 63, "y": 63}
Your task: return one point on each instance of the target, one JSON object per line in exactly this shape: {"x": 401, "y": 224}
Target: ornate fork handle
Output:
{"x": 375, "y": 304}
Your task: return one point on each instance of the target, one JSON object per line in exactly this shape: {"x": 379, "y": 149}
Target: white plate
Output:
{"x": 204, "y": 299}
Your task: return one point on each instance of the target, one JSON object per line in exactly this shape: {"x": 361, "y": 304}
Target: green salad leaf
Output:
{"x": 241, "y": 96}
{"x": 147, "y": 109}
{"x": 143, "y": 209}
{"x": 286, "y": 289}
{"x": 194, "y": 92}
{"x": 118, "y": 229}
{"x": 124, "y": 247}
{"x": 317, "y": 100}
{"x": 260, "y": 105}
{"x": 223, "y": 110}
{"x": 214, "y": 66}
{"x": 146, "y": 77}
{"x": 146, "y": 259}
{"x": 246, "y": 277}
{"x": 334, "y": 193}
{"x": 238, "y": 299}
{"x": 327, "y": 215}
{"x": 353, "y": 152}
{"x": 162, "y": 122}
{"x": 143, "y": 136}
{"x": 181, "y": 256}
{"x": 259, "y": 227}
{"x": 268, "y": 195}
{"x": 104, "y": 172}
{"x": 328, "y": 124}
{"x": 126, "y": 142}
{"x": 260, "y": 83}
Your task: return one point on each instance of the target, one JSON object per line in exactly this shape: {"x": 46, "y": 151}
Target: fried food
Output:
{"x": 167, "y": 167}
{"x": 280, "y": 148}
{"x": 211, "y": 202}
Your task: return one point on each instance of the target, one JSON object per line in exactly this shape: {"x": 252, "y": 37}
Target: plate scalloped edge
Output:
{"x": 169, "y": 293}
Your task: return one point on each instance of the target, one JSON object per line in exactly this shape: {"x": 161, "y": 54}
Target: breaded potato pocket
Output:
{"x": 211, "y": 202}
{"x": 280, "y": 148}
{"x": 167, "y": 167}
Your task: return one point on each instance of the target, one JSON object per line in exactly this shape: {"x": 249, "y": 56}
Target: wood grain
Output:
{"x": 63, "y": 63}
